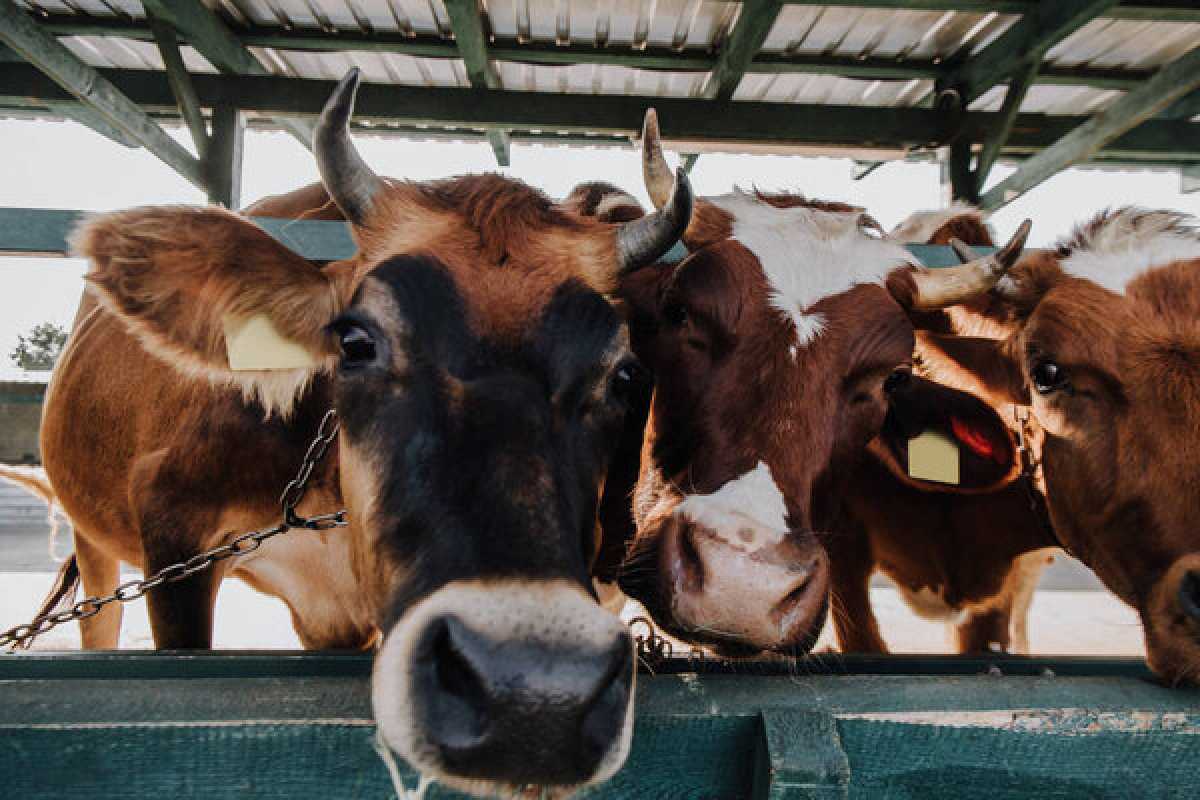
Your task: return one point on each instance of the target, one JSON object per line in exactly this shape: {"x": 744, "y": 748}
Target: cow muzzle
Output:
{"x": 1171, "y": 621}
{"x": 486, "y": 686}
{"x": 744, "y": 586}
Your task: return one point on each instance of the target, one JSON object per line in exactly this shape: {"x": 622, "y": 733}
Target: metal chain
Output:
{"x": 245, "y": 543}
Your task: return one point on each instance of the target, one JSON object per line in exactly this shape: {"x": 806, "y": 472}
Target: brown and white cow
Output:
{"x": 1104, "y": 346}
{"x": 771, "y": 343}
{"x": 478, "y": 373}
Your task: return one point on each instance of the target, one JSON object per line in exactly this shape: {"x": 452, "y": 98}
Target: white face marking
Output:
{"x": 748, "y": 512}
{"x": 1130, "y": 243}
{"x": 919, "y": 227}
{"x": 808, "y": 255}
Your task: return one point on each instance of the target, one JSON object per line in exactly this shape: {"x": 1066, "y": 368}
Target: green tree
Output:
{"x": 40, "y": 348}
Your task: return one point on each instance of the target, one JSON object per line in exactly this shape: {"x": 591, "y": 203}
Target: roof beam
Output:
{"x": 754, "y": 22}
{"x": 1013, "y": 97}
{"x": 181, "y": 83}
{"x": 97, "y": 94}
{"x": 205, "y": 31}
{"x": 610, "y": 117}
{"x": 1170, "y": 84}
{"x": 664, "y": 58}
{"x": 1166, "y": 10}
{"x": 1026, "y": 40}
{"x": 467, "y": 23}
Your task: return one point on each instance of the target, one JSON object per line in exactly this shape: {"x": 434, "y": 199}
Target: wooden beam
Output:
{"x": 1026, "y": 40}
{"x": 181, "y": 83}
{"x": 1186, "y": 108}
{"x": 471, "y": 41}
{"x": 223, "y": 165}
{"x": 78, "y": 112}
{"x": 689, "y": 162}
{"x": 97, "y": 94}
{"x": 655, "y": 58}
{"x": 1164, "y": 10}
{"x": 615, "y": 117}
{"x": 755, "y": 21}
{"x": 205, "y": 31}
{"x": 1013, "y": 97}
{"x": 1171, "y": 83}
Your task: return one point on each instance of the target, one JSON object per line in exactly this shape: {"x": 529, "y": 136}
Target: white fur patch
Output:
{"x": 930, "y": 603}
{"x": 919, "y": 227}
{"x": 1130, "y": 243}
{"x": 752, "y": 501}
{"x": 808, "y": 255}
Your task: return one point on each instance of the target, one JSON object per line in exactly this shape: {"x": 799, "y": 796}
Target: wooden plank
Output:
{"x": 800, "y": 756}
{"x": 22, "y": 34}
{"x": 1026, "y": 40}
{"x": 223, "y": 164}
{"x": 754, "y": 22}
{"x": 1171, "y": 83}
{"x": 469, "y": 38}
{"x": 86, "y": 116}
{"x": 44, "y": 232}
{"x": 205, "y": 31}
{"x": 1018, "y": 86}
{"x": 181, "y": 83}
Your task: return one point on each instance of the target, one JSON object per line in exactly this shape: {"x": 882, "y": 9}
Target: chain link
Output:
{"x": 129, "y": 591}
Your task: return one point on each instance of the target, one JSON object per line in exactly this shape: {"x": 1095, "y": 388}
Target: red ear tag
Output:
{"x": 980, "y": 444}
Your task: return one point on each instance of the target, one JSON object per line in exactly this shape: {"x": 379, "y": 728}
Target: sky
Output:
{"x": 65, "y": 165}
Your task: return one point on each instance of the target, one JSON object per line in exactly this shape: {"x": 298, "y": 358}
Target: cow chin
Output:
{"x": 495, "y": 687}
{"x": 1172, "y": 623}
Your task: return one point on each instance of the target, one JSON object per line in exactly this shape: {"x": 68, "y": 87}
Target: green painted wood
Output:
{"x": 90, "y": 118}
{"x": 1018, "y": 87}
{"x": 755, "y": 21}
{"x": 206, "y": 32}
{"x": 307, "y": 732}
{"x": 180, "y": 82}
{"x": 469, "y": 37}
{"x": 800, "y": 757}
{"x": 36, "y": 231}
{"x": 1028, "y": 39}
{"x": 1170, "y": 84}
{"x": 223, "y": 163}
{"x": 1168, "y": 141}
{"x": 19, "y": 32}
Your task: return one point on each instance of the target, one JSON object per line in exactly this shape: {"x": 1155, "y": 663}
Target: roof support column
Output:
{"x": 223, "y": 162}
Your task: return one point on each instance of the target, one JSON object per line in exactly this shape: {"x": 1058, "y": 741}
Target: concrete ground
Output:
{"x": 1081, "y": 620}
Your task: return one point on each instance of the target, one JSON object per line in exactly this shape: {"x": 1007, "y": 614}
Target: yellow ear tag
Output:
{"x": 933, "y": 456}
{"x": 253, "y": 343}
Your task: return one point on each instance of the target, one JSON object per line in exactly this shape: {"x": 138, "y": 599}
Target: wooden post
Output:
{"x": 223, "y": 164}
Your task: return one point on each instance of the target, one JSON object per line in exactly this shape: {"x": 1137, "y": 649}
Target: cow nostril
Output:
{"x": 607, "y": 709}
{"x": 690, "y": 560}
{"x": 897, "y": 380}
{"x": 462, "y": 696}
{"x": 1189, "y": 594}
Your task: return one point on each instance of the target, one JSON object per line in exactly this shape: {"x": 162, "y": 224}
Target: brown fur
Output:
{"x": 1120, "y": 451}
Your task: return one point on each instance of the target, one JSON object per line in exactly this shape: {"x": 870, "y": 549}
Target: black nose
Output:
{"x": 898, "y": 380}
{"x": 1189, "y": 594}
{"x": 518, "y": 709}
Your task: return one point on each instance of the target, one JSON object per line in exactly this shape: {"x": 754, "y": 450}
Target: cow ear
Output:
{"x": 942, "y": 439}
{"x": 181, "y": 279}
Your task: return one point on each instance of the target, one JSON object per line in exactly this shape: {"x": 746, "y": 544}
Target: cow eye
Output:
{"x": 1048, "y": 377}
{"x": 358, "y": 348}
{"x": 628, "y": 378}
{"x": 675, "y": 314}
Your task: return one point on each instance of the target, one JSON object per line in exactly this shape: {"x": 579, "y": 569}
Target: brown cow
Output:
{"x": 770, "y": 343}
{"x": 478, "y": 374}
{"x": 1104, "y": 346}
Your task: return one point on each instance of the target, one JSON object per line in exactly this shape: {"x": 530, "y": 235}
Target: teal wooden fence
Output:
{"x": 295, "y": 726}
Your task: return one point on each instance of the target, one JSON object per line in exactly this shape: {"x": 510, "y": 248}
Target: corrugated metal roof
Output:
{"x": 631, "y": 25}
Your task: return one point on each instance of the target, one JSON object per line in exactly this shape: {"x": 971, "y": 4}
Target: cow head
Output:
{"x": 771, "y": 344}
{"x": 479, "y": 375}
{"x": 1104, "y": 344}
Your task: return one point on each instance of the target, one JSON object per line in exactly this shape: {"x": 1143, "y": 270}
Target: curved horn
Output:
{"x": 643, "y": 241}
{"x": 347, "y": 178}
{"x": 939, "y": 288}
{"x": 655, "y": 172}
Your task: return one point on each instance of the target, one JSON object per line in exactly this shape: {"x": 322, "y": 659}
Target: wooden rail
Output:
{"x": 295, "y": 726}
{"x": 46, "y": 232}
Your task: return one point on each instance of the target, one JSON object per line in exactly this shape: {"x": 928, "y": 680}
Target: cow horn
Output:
{"x": 939, "y": 288}
{"x": 347, "y": 178}
{"x": 643, "y": 241}
{"x": 655, "y": 172}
